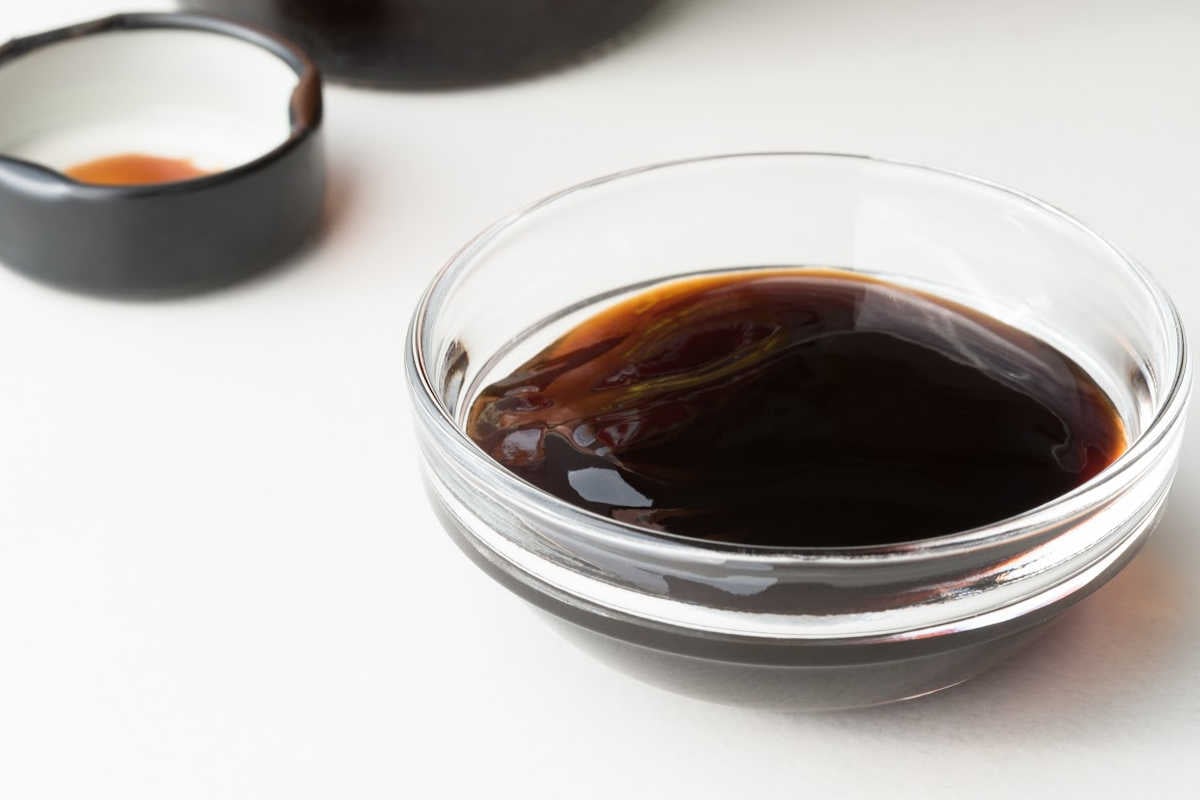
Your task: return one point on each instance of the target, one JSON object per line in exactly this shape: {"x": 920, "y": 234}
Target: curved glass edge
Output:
{"x": 1029, "y": 523}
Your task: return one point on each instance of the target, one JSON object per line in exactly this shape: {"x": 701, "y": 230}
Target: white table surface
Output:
{"x": 218, "y": 576}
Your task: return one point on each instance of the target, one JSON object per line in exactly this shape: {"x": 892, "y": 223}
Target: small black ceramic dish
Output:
{"x": 232, "y": 113}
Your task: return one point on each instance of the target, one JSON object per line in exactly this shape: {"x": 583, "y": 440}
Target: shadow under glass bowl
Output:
{"x": 797, "y": 628}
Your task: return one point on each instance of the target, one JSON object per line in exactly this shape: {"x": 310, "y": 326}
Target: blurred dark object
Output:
{"x": 438, "y": 43}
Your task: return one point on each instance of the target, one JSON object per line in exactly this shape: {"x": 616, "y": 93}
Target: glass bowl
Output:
{"x": 797, "y": 628}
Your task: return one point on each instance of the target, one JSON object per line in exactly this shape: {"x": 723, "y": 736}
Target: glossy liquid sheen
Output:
{"x": 800, "y": 407}
{"x": 134, "y": 169}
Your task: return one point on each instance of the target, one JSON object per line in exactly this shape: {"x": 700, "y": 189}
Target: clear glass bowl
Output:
{"x": 797, "y": 628}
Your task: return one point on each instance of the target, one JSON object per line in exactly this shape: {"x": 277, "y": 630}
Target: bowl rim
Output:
{"x": 305, "y": 107}
{"x": 1028, "y": 523}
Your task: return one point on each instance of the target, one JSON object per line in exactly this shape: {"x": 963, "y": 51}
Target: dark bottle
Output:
{"x": 437, "y": 43}
{"x": 799, "y": 408}
{"x": 134, "y": 169}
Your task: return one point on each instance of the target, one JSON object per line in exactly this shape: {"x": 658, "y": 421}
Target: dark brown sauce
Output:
{"x": 134, "y": 169}
{"x": 803, "y": 408}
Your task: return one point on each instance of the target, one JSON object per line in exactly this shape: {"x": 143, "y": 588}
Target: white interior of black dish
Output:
{"x": 212, "y": 99}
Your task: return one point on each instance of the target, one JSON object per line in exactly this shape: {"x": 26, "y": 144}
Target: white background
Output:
{"x": 218, "y": 578}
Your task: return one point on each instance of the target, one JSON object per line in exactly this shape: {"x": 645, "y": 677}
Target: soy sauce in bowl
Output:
{"x": 804, "y": 407}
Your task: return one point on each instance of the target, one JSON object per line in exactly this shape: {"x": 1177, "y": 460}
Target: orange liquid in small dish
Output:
{"x": 135, "y": 169}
